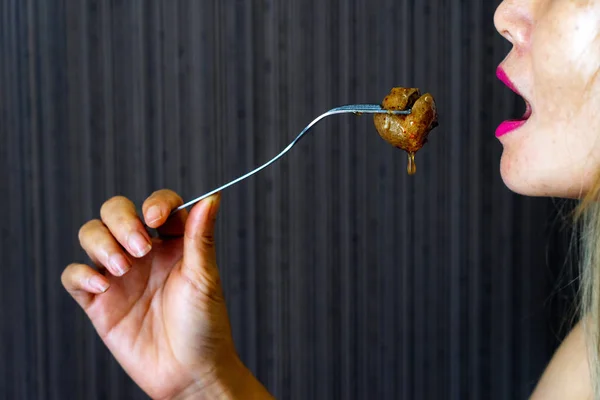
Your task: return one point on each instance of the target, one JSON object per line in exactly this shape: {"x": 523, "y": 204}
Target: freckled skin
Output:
{"x": 554, "y": 64}
{"x": 407, "y": 132}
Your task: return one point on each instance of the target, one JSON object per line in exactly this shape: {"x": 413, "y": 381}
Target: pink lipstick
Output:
{"x": 511, "y": 125}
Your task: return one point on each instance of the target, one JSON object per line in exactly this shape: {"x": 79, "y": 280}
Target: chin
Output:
{"x": 516, "y": 179}
{"x": 543, "y": 182}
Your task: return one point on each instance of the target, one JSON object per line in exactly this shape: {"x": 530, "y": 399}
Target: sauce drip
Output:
{"x": 412, "y": 167}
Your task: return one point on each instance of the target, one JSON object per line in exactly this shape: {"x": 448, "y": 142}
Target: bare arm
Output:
{"x": 567, "y": 377}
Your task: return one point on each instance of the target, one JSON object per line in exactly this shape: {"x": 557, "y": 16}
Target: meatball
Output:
{"x": 407, "y": 132}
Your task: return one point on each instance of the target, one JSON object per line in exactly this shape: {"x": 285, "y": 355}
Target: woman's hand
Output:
{"x": 157, "y": 303}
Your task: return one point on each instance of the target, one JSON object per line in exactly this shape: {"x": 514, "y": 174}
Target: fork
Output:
{"x": 355, "y": 108}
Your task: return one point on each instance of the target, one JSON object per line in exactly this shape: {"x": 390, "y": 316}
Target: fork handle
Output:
{"x": 355, "y": 109}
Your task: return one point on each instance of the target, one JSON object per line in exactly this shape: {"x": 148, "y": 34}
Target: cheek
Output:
{"x": 565, "y": 54}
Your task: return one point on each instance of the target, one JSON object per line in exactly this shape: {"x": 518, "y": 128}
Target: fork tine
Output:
{"x": 370, "y": 109}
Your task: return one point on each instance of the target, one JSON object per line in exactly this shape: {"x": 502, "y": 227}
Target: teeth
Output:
{"x": 527, "y": 110}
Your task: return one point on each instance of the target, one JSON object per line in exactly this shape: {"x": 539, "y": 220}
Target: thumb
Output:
{"x": 199, "y": 253}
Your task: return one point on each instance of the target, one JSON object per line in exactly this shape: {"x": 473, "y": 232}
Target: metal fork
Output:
{"x": 355, "y": 108}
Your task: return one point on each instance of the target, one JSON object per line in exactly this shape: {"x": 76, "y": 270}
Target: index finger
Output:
{"x": 157, "y": 209}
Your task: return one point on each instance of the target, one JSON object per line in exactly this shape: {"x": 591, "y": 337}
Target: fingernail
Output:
{"x": 215, "y": 201}
{"x": 119, "y": 264}
{"x": 138, "y": 244}
{"x": 154, "y": 214}
{"x": 98, "y": 284}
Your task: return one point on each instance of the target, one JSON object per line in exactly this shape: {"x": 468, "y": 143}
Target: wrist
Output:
{"x": 231, "y": 381}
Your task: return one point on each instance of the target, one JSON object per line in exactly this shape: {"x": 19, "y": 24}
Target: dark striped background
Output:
{"x": 345, "y": 278}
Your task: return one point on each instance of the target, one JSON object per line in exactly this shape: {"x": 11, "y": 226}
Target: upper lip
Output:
{"x": 501, "y": 74}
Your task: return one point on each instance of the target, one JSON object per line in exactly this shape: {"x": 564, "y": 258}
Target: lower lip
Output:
{"x": 509, "y": 126}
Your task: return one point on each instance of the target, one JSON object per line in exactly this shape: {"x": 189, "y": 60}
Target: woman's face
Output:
{"x": 554, "y": 64}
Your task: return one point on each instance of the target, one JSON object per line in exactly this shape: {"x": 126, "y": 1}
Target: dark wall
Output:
{"x": 345, "y": 278}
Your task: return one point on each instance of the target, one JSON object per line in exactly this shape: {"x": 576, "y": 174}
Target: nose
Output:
{"x": 513, "y": 21}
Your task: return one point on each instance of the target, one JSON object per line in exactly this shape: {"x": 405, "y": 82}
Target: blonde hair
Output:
{"x": 588, "y": 216}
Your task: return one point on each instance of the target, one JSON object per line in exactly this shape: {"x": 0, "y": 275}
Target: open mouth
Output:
{"x": 526, "y": 114}
{"x": 511, "y": 125}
